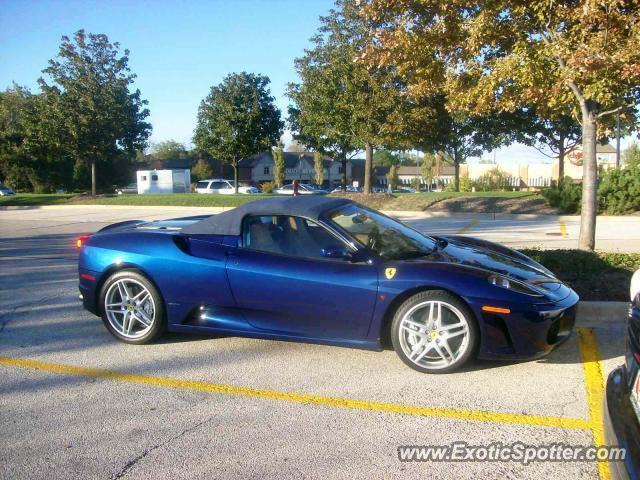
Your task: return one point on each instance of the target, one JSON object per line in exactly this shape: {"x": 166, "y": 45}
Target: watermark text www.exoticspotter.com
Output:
{"x": 514, "y": 452}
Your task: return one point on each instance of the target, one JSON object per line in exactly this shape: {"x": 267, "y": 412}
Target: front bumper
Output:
{"x": 621, "y": 425}
{"x": 529, "y": 331}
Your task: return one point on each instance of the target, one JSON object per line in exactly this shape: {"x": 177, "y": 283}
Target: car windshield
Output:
{"x": 388, "y": 238}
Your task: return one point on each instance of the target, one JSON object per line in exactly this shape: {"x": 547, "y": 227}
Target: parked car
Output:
{"x": 350, "y": 189}
{"x": 324, "y": 270}
{"x": 303, "y": 189}
{"x": 131, "y": 188}
{"x": 6, "y": 191}
{"x": 622, "y": 396}
{"x": 220, "y": 185}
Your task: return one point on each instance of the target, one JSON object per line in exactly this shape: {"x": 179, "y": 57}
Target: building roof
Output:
{"x": 357, "y": 168}
{"x": 230, "y": 222}
{"x": 291, "y": 159}
{"x": 607, "y": 148}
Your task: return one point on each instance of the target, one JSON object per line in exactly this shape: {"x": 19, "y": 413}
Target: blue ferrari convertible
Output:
{"x": 324, "y": 270}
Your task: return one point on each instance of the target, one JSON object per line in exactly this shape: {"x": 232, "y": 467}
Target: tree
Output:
{"x": 385, "y": 158}
{"x": 631, "y": 155}
{"x": 392, "y": 177}
{"x": 552, "y": 134}
{"x": 14, "y": 162}
{"x": 201, "y": 170}
{"x": 31, "y": 155}
{"x": 342, "y": 104}
{"x": 278, "y": 165}
{"x": 169, "y": 149}
{"x": 238, "y": 119}
{"x": 502, "y": 55}
{"x": 430, "y": 125}
{"x": 465, "y": 135}
{"x": 318, "y": 166}
{"x": 87, "y": 88}
{"x": 427, "y": 169}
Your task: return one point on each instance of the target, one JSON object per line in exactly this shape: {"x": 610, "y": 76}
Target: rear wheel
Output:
{"x": 434, "y": 332}
{"x": 132, "y": 309}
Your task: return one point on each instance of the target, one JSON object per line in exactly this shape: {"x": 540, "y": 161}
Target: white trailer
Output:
{"x": 164, "y": 181}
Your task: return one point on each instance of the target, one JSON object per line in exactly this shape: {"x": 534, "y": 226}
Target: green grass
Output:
{"x": 402, "y": 201}
{"x": 176, "y": 199}
{"x": 35, "y": 199}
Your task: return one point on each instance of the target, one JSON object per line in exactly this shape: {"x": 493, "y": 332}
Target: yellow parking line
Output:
{"x": 475, "y": 415}
{"x": 594, "y": 383}
{"x": 468, "y": 226}
{"x": 563, "y": 229}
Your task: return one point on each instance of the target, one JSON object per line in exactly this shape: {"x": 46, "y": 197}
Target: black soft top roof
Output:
{"x": 230, "y": 222}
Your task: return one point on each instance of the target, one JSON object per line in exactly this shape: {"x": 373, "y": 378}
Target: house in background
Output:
{"x": 298, "y": 166}
{"x": 379, "y": 177}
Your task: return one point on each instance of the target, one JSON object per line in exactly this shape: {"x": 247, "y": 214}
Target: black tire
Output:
{"x": 459, "y": 310}
{"x": 158, "y": 324}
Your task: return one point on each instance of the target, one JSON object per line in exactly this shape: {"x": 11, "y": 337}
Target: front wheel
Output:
{"x": 434, "y": 332}
{"x": 132, "y": 309}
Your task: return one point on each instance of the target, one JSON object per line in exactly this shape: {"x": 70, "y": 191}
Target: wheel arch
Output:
{"x": 387, "y": 319}
{"x": 119, "y": 268}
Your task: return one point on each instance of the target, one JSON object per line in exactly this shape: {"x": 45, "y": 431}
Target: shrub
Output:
{"x": 565, "y": 195}
{"x": 415, "y": 183}
{"x": 493, "y": 181}
{"x": 465, "y": 183}
{"x": 201, "y": 170}
{"x": 619, "y": 190}
{"x": 267, "y": 187}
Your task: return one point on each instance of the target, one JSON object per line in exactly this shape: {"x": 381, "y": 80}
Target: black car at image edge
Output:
{"x": 622, "y": 397}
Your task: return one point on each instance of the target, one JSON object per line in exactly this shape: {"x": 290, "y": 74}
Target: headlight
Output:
{"x": 515, "y": 286}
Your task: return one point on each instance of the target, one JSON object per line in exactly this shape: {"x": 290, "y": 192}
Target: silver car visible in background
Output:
{"x": 226, "y": 187}
{"x": 6, "y": 191}
{"x": 131, "y": 188}
{"x": 303, "y": 189}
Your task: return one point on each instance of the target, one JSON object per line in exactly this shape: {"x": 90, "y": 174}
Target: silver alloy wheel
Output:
{"x": 130, "y": 308}
{"x": 434, "y": 334}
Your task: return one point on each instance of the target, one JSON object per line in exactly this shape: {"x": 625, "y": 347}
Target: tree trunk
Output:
{"x": 93, "y": 177}
{"x": 343, "y": 179}
{"x": 561, "y": 153}
{"x": 589, "y": 179}
{"x": 368, "y": 164}
{"x": 235, "y": 175}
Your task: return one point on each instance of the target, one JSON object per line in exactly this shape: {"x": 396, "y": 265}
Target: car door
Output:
{"x": 282, "y": 283}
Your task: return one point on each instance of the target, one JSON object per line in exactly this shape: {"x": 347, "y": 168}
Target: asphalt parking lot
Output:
{"x": 74, "y": 403}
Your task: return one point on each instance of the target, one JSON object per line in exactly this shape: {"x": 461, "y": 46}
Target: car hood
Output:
{"x": 495, "y": 258}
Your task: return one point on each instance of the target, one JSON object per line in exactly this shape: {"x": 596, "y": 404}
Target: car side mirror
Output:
{"x": 336, "y": 251}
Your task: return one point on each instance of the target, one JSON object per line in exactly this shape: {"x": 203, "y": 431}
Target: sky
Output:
{"x": 178, "y": 49}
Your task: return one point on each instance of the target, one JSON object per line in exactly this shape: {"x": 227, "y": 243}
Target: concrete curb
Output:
{"x": 602, "y": 314}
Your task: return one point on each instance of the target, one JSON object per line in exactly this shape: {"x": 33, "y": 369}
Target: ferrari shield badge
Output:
{"x": 389, "y": 273}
